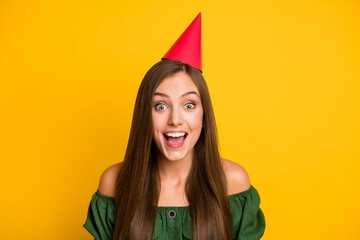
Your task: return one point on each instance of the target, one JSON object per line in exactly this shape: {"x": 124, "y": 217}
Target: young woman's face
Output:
{"x": 177, "y": 116}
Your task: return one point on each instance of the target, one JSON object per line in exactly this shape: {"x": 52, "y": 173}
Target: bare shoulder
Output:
{"x": 108, "y": 180}
{"x": 236, "y": 176}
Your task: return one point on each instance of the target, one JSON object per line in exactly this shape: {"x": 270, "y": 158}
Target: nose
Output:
{"x": 175, "y": 117}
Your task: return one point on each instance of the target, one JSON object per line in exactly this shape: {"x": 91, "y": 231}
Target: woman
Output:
{"x": 172, "y": 183}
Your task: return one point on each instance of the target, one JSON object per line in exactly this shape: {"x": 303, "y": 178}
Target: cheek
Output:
{"x": 158, "y": 121}
{"x": 197, "y": 121}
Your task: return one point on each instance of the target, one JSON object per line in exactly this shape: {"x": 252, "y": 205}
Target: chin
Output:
{"x": 174, "y": 158}
{"x": 175, "y": 155}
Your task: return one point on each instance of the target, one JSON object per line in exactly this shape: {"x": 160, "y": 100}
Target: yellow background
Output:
{"x": 284, "y": 80}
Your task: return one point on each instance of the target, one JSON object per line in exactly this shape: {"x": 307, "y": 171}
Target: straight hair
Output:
{"x": 138, "y": 184}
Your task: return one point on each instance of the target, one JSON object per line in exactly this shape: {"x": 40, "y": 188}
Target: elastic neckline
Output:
{"x": 232, "y": 196}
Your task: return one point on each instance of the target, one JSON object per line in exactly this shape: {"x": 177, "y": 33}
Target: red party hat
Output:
{"x": 187, "y": 48}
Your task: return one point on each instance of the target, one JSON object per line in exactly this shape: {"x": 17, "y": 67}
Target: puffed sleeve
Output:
{"x": 101, "y": 217}
{"x": 248, "y": 218}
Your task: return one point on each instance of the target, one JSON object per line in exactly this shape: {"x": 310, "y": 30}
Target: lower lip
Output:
{"x": 175, "y": 145}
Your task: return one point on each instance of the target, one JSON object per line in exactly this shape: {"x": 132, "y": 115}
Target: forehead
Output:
{"x": 178, "y": 82}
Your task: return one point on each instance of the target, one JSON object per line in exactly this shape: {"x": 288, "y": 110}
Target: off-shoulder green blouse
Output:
{"x": 175, "y": 222}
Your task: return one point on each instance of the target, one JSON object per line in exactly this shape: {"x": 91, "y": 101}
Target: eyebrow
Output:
{"x": 185, "y": 94}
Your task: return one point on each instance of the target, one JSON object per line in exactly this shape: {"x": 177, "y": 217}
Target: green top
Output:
{"x": 175, "y": 222}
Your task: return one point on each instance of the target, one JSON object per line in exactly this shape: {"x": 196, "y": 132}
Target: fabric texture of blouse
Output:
{"x": 175, "y": 222}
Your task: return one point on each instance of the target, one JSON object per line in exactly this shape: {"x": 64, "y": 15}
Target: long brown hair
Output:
{"x": 137, "y": 186}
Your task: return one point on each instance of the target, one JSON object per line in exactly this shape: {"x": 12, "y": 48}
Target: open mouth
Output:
{"x": 174, "y": 141}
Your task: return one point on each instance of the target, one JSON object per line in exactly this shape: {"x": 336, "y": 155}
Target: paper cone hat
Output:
{"x": 187, "y": 48}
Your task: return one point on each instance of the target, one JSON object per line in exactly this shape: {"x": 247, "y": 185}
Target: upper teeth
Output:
{"x": 175, "y": 134}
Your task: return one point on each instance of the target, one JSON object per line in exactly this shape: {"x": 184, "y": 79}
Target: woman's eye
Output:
{"x": 160, "y": 106}
{"x": 190, "y": 106}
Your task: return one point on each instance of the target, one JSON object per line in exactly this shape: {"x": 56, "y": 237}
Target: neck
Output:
{"x": 175, "y": 171}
